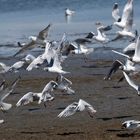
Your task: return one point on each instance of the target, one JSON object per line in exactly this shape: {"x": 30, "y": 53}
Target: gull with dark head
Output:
{"x": 43, "y": 96}
{"x": 127, "y": 15}
{"x": 131, "y": 124}
{"x": 77, "y": 107}
{"x": 115, "y": 13}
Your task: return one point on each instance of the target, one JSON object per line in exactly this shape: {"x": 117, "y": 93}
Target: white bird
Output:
{"x": 5, "y": 93}
{"x": 81, "y": 49}
{"x": 69, "y": 12}
{"x": 100, "y": 37}
{"x": 43, "y": 96}
{"x": 56, "y": 60}
{"x": 64, "y": 84}
{"x": 115, "y": 13}
{"x": 136, "y": 57}
{"x": 131, "y": 83}
{"x": 131, "y": 124}
{"x": 76, "y": 107}
{"x": 127, "y": 16}
{"x": 17, "y": 65}
{"x": 39, "y": 40}
{"x": 130, "y": 49}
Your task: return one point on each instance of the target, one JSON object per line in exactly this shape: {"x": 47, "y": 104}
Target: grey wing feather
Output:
{"x": 115, "y": 66}
{"x": 68, "y": 111}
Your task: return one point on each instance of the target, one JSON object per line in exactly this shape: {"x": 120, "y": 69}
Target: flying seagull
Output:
{"x": 76, "y": 107}
{"x": 131, "y": 83}
{"x": 64, "y": 84}
{"x": 36, "y": 41}
{"x": 43, "y": 96}
{"x": 115, "y": 13}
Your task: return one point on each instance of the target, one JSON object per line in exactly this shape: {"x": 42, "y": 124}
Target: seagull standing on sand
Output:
{"x": 64, "y": 84}
{"x": 44, "y": 96}
{"x": 76, "y": 107}
{"x": 36, "y": 41}
{"x": 131, "y": 124}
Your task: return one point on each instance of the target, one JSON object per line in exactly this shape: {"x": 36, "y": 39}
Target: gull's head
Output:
{"x": 115, "y": 6}
{"x": 124, "y": 125}
{"x": 33, "y": 38}
{"x": 54, "y": 84}
{"x": 29, "y": 58}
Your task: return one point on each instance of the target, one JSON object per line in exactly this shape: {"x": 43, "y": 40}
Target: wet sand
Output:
{"x": 114, "y": 104}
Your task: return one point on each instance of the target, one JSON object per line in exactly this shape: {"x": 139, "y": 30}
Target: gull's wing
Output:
{"x": 69, "y": 110}
{"x": 130, "y": 48}
{"x": 115, "y": 13}
{"x": 7, "y": 91}
{"x": 128, "y": 12}
{"x": 30, "y": 45}
{"x": 130, "y": 82}
{"x": 117, "y": 37}
{"x": 17, "y": 65}
{"x": 83, "y": 105}
{"x": 61, "y": 79}
{"x": 26, "y": 99}
{"x": 115, "y": 66}
{"x": 44, "y": 33}
{"x": 49, "y": 87}
{"x": 35, "y": 62}
{"x": 2, "y": 85}
{"x": 137, "y": 50}
{"x": 121, "y": 54}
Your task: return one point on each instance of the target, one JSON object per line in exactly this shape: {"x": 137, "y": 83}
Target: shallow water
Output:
{"x": 21, "y": 18}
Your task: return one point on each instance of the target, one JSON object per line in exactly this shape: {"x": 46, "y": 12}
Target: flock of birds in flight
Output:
{"x": 55, "y": 54}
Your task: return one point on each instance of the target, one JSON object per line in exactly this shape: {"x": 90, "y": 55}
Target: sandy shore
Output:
{"x": 114, "y": 104}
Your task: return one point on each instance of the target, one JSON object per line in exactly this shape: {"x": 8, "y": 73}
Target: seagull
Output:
{"x": 76, "y": 107}
{"x": 131, "y": 124}
{"x": 69, "y": 12}
{"x": 56, "y": 60}
{"x": 17, "y": 65}
{"x": 5, "y": 92}
{"x": 100, "y": 37}
{"x": 129, "y": 67}
{"x": 63, "y": 84}
{"x": 115, "y": 13}
{"x": 35, "y": 41}
{"x": 81, "y": 49}
{"x": 43, "y": 96}
{"x": 131, "y": 83}
{"x": 127, "y": 16}
{"x": 136, "y": 57}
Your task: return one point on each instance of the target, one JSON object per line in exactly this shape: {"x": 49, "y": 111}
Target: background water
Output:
{"x": 21, "y": 18}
